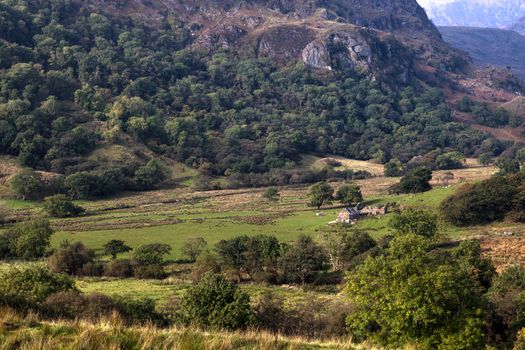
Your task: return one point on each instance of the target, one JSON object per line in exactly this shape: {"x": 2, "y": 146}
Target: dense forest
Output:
{"x": 73, "y": 80}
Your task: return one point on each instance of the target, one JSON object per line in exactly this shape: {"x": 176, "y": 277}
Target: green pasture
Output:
{"x": 214, "y": 226}
{"x": 162, "y": 290}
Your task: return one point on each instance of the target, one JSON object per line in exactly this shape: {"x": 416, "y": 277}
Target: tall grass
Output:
{"x": 30, "y": 333}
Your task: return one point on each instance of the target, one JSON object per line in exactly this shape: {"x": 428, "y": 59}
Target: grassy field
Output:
{"x": 30, "y": 333}
{"x": 222, "y": 215}
{"x": 174, "y": 215}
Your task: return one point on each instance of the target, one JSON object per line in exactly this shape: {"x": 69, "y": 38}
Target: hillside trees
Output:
{"x": 72, "y": 75}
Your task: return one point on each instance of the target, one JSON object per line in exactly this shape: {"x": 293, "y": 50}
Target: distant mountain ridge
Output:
{"x": 489, "y": 46}
{"x": 476, "y": 13}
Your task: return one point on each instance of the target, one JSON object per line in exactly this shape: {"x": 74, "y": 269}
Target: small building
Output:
{"x": 348, "y": 215}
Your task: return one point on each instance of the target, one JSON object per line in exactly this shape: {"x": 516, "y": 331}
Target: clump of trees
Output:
{"x": 486, "y": 201}
{"x": 415, "y": 181}
{"x": 60, "y": 206}
{"x": 321, "y": 193}
{"x": 28, "y": 240}
{"x": 411, "y": 294}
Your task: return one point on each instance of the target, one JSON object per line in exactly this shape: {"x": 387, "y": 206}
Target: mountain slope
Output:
{"x": 238, "y": 88}
{"x": 519, "y": 26}
{"x": 487, "y": 46}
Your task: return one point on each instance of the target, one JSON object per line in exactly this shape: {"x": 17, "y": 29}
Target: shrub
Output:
{"x": 27, "y": 184}
{"x": 393, "y": 168}
{"x": 507, "y": 296}
{"x": 271, "y": 194}
{"x": 70, "y": 259}
{"x": 507, "y": 165}
{"x": 83, "y": 185}
{"x": 60, "y": 206}
{"x": 418, "y": 222}
{"x": 216, "y": 303}
{"x": 250, "y": 255}
{"x": 415, "y": 181}
{"x": 151, "y": 254}
{"x": 29, "y": 239}
{"x": 119, "y": 268}
{"x": 410, "y": 295}
{"x": 73, "y": 305}
{"x": 206, "y": 262}
{"x": 29, "y": 287}
{"x": 148, "y": 176}
{"x": 450, "y": 160}
{"x": 309, "y": 318}
{"x": 343, "y": 245}
{"x": 480, "y": 203}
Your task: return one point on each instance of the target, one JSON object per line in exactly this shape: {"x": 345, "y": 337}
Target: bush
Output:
{"x": 216, "y": 303}
{"x": 71, "y": 259}
{"x": 271, "y": 194}
{"x": 83, "y": 185}
{"x": 320, "y": 193}
{"x": 507, "y": 296}
{"x": 206, "y": 262}
{"x": 480, "y": 203}
{"x": 418, "y": 222}
{"x": 411, "y": 295}
{"x": 450, "y": 160}
{"x": 60, "y": 206}
{"x": 29, "y": 287}
{"x": 119, "y": 268}
{"x": 29, "y": 239}
{"x": 74, "y": 305}
{"x": 28, "y": 184}
{"x": 393, "y": 168}
{"x": 310, "y": 318}
{"x": 415, "y": 181}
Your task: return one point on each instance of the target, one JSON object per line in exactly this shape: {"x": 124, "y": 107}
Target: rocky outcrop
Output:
{"x": 343, "y": 48}
{"x": 316, "y": 55}
{"x": 325, "y": 34}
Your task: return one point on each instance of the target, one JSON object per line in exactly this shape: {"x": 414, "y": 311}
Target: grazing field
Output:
{"x": 175, "y": 215}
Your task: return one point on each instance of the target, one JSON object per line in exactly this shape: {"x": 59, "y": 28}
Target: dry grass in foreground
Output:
{"x": 30, "y": 333}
